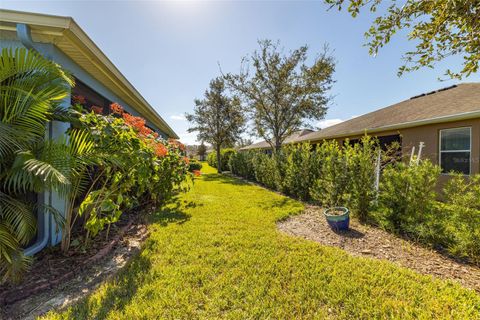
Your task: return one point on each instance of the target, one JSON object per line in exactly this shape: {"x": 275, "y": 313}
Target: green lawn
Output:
{"x": 216, "y": 253}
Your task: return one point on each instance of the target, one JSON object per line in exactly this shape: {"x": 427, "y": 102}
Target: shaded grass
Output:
{"x": 216, "y": 253}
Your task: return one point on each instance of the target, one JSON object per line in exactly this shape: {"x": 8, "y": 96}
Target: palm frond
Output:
{"x": 31, "y": 88}
{"x": 18, "y": 216}
{"x": 31, "y": 174}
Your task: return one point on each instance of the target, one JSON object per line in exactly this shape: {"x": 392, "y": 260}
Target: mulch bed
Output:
{"x": 56, "y": 279}
{"x": 367, "y": 241}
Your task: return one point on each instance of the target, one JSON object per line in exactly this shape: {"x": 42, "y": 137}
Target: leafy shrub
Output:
{"x": 362, "y": 159}
{"x": 194, "y": 165}
{"x": 461, "y": 210}
{"x": 332, "y": 186}
{"x": 130, "y": 165}
{"x": 225, "y": 155}
{"x": 407, "y": 196}
{"x": 212, "y": 159}
{"x": 267, "y": 170}
{"x": 406, "y": 203}
{"x": 241, "y": 164}
{"x": 299, "y": 167}
{"x": 108, "y": 164}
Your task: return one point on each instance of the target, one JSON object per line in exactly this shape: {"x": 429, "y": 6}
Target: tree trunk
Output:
{"x": 278, "y": 145}
{"x": 219, "y": 160}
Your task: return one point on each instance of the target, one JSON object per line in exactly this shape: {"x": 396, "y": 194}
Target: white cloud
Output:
{"x": 325, "y": 123}
{"x": 178, "y": 117}
{"x": 322, "y": 124}
{"x": 188, "y": 138}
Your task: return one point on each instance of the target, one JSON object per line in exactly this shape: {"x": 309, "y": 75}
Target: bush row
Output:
{"x": 225, "y": 155}
{"x": 403, "y": 202}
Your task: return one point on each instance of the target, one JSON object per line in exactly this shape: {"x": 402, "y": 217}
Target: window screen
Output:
{"x": 455, "y": 149}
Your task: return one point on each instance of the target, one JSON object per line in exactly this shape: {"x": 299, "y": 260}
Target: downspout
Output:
{"x": 25, "y": 37}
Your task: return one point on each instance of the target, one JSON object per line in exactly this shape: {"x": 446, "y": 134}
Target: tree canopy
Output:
{"x": 440, "y": 28}
{"x": 218, "y": 118}
{"x": 280, "y": 91}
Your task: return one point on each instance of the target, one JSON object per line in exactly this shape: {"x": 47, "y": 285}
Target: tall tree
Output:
{"x": 218, "y": 118}
{"x": 440, "y": 28}
{"x": 202, "y": 151}
{"x": 282, "y": 92}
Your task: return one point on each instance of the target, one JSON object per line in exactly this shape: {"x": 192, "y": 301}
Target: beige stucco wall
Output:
{"x": 429, "y": 134}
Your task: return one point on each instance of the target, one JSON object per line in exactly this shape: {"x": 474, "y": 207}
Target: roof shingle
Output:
{"x": 454, "y": 100}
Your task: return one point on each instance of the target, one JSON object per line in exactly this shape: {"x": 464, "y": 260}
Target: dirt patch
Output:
{"x": 366, "y": 241}
{"x": 56, "y": 281}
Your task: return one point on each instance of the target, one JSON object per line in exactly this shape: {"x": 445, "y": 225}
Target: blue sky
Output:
{"x": 170, "y": 50}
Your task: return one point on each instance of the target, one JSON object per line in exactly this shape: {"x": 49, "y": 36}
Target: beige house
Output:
{"x": 445, "y": 121}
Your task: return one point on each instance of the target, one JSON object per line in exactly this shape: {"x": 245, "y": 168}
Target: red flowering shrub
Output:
{"x": 145, "y": 131}
{"x": 197, "y": 173}
{"x": 136, "y": 122}
{"x": 116, "y": 108}
{"x": 78, "y": 99}
{"x": 136, "y": 168}
{"x": 176, "y": 144}
{"x": 186, "y": 160}
{"x": 97, "y": 110}
{"x": 160, "y": 150}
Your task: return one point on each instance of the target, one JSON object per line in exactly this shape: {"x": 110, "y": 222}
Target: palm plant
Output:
{"x": 31, "y": 89}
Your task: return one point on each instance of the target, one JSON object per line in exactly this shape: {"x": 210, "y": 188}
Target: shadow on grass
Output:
{"x": 224, "y": 179}
{"x": 173, "y": 213}
{"x": 280, "y": 203}
{"x": 118, "y": 293}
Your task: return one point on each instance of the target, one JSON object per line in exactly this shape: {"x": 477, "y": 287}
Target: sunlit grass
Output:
{"x": 216, "y": 253}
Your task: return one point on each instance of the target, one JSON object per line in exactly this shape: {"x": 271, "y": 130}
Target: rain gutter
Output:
{"x": 25, "y": 37}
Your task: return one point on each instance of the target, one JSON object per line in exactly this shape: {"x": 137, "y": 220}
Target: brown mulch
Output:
{"x": 56, "y": 280}
{"x": 368, "y": 241}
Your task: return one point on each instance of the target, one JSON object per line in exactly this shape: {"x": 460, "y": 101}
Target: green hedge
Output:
{"x": 225, "y": 155}
{"x": 194, "y": 165}
{"x": 241, "y": 164}
{"x": 405, "y": 203}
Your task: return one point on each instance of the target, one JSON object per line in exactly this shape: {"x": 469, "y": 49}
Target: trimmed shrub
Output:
{"x": 333, "y": 184}
{"x": 461, "y": 212}
{"x": 212, "y": 159}
{"x": 299, "y": 167}
{"x": 241, "y": 164}
{"x": 226, "y": 154}
{"x": 361, "y": 161}
{"x": 267, "y": 171}
{"x": 407, "y": 196}
{"x": 335, "y": 175}
{"x": 194, "y": 165}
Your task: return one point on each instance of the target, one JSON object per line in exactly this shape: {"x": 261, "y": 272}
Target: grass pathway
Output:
{"x": 216, "y": 253}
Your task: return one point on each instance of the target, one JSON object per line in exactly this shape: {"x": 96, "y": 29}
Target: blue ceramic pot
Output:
{"x": 338, "y": 222}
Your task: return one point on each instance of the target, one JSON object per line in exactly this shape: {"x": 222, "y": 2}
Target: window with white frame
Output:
{"x": 455, "y": 150}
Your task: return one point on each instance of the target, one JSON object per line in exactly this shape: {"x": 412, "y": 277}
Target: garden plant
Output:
{"x": 405, "y": 202}
{"x": 205, "y": 261}
{"x": 104, "y": 165}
